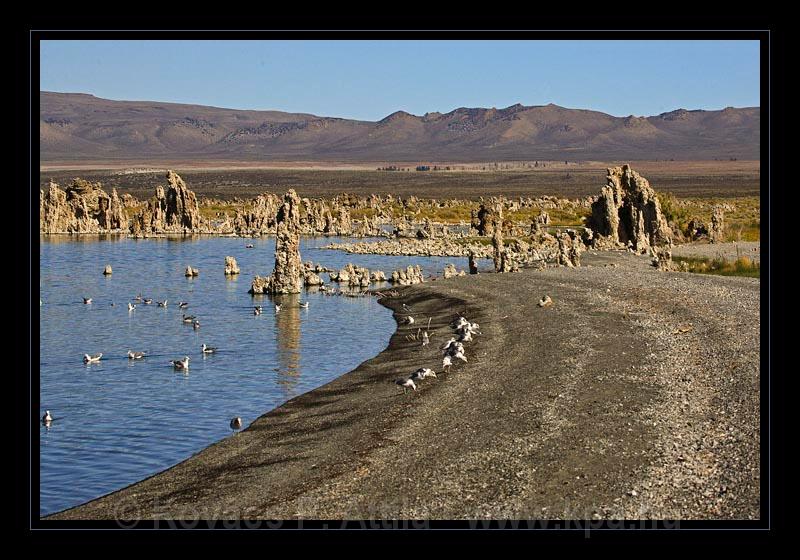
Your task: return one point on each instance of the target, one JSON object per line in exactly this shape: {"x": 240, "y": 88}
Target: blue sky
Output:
{"x": 370, "y": 79}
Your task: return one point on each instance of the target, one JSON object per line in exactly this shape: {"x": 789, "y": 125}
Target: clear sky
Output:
{"x": 371, "y": 79}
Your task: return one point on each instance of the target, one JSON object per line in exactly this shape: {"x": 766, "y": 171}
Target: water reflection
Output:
{"x": 287, "y": 332}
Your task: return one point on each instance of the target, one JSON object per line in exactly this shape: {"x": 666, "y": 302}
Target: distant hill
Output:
{"x": 76, "y": 126}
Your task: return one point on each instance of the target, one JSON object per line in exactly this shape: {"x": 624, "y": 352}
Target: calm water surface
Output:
{"x": 119, "y": 421}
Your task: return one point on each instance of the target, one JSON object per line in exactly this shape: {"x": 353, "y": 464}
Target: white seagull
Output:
{"x": 162, "y": 303}
{"x": 189, "y": 318}
{"x": 196, "y": 324}
{"x": 425, "y": 338}
{"x": 277, "y": 308}
{"x": 410, "y": 320}
{"x": 87, "y": 300}
{"x": 131, "y": 307}
{"x": 208, "y": 349}
{"x": 181, "y": 364}
{"x": 304, "y": 305}
{"x": 46, "y": 419}
{"x": 92, "y": 359}
{"x": 406, "y": 383}
{"x": 236, "y": 424}
{"x": 447, "y": 361}
{"x": 446, "y": 346}
{"x": 183, "y": 304}
{"x": 135, "y": 355}
{"x": 422, "y": 373}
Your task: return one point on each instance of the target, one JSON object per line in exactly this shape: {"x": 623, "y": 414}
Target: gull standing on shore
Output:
{"x": 422, "y": 373}
{"x": 447, "y": 361}
{"x": 236, "y": 424}
{"x": 425, "y": 338}
{"x": 406, "y": 383}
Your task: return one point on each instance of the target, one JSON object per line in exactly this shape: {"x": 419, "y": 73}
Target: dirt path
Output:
{"x": 635, "y": 395}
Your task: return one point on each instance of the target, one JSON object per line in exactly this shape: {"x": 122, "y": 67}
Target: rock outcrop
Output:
{"x": 231, "y": 266}
{"x": 451, "y": 272}
{"x": 352, "y": 275}
{"x": 172, "y": 211}
{"x": 497, "y": 237}
{"x": 411, "y": 275}
{"x": 569, "y": 249}
{"x": 473, "y": 265}
{"x": 83, "y": 207}
{"x": 288, "y": 275}
{"x": 717, "y": 232}
{"x": 628, "y": 213}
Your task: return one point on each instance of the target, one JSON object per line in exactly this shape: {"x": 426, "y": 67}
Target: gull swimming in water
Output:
{"x": 183, "y": 304}
{"x": 148, "y": 301}
{"x": 249, "y": 246}
{"x": 208, "y": 349}
{"x": 181, "y": 364}
{"x": 406, "y": 383}
{"x": 47, "y": 418}
{"x": 196, "y": 324}
{"x": 135, "y": 355}
{"x": 189, "y": 318}
{"x": 236, "y": 424}
{"x": 138, "y": 298}
{"x": 131, "y": 307}
{"x": 304, "y": 305}
{"x": 162, "y": 303}
{"x": 92, "y": 359}
{"x": 257, "y": 310}
{"x": 277, "y": 308}
{"x": 86, "y": 300}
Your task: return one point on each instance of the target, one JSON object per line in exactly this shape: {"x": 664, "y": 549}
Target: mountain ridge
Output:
{"x": 82, "y": 126}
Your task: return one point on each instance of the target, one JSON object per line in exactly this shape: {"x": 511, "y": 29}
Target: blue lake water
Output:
{"x": 119, "y": 421}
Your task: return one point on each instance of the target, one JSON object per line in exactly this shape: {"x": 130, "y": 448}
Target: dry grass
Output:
{"x": 742, "y": 266}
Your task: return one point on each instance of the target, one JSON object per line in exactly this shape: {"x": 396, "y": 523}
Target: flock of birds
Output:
{"x": 179, "y": 364}
{"x": 451, "y": 350}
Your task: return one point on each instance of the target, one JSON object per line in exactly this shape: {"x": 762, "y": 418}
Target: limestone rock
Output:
{"x": 473, "y": 265}
{"x": 377, "y": 276}
{"x": 287, "y": 277}
{"x": 717, "y": 232}
{"x": 411, "y": 275}
{"x": 231, "y": 266}
{"x": 628, "y": 212}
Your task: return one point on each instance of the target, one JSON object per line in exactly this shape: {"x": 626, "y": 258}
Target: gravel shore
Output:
{"x": 636, "y": 395}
